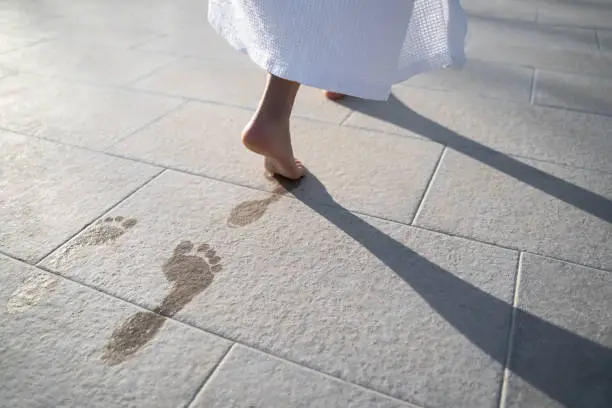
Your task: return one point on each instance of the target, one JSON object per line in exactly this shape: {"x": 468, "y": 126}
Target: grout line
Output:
{"x": 212, "y": 333}
{"x": 356, "y": 212}
{"x": 347, "y": 117}
{"x": 209, "y": 376}
{"x": 329, "y": 376}
{"x": 503, "y": 390}
{"x": 429, "y": 185}
{"x": 532, "y": 88}
{"x": 149, "y": 73}
{"x": 104, "y": 212}
{"x": 147, "y": 125}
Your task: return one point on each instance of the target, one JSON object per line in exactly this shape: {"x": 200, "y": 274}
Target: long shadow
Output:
{"x": 570, "y": 369}
{"x": 397, "y": 113}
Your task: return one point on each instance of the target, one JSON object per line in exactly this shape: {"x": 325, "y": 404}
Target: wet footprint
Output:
{"x": 128, "y": 338}
{"x": 29, "y": 293}
{"x": 106, "y": 230}
{"x": 191, "y": 269}
{"x": 248, "y": 212}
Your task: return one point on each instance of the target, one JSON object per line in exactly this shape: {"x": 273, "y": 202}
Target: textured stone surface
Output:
{"x": 464, "y": 121}
{"x": 10, "y": 43}
{"x": 593, "y": 14}
{"x": 201, "y": 41}
{"x": 415, "y": 314}
{"x": 235, "y": 83}
{"x": 248, "y": 378}
{"x": 500, "y": 9}
{"x": 51, "y": 349}
{"x": 84, "y": 62}
{"x": 205, "y": 139}
{"x": 556, "y": 48}
{"x": 562, "y": 354}
{"x": 486, "y": 32}
{"x": 49, "y": 192}
{"x": 605, "y": 39}
{"x": 585, "y": 93}
{"x": 480, "y": 78}
{"x": 74, "y": 113}
{"x": 544, "y": 208}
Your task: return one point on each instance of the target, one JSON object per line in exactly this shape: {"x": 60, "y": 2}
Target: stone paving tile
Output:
{"x": 540, "y": 207}
{"x": 84, "y": 62}
{"x": 76, "y": 113}
{"x": 605, "y": 39}
{"x": 49, "y": 192}
{"x": 53, "y": 342}
{"x": 418, "y": 315}
{"x": 248, "y": 378}
{"x": 594, "y": 14}
{"x": 554, "y": 48}
{"x": 480, "y": 78}
{"x": 205, "y": 139}
{"x": 464, "y": 121}
{"x": 106, "y": 33}
{"x": 10, "y": 43}
{"x": 233, "y": 83}
{"x": 202, "y": 41}
{"x": 585, "y": 93}
{"x": 494, "y": 32}
{"x": 502, "y": 9}
{"x": 563, "y": 340}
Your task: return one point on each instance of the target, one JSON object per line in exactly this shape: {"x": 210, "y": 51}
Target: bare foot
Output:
{"x": 272, "y": 140}
{"x": 333, "y": 96}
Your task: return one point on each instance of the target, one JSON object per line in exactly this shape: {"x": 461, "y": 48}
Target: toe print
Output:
{"x": 104, "y": 231}
{"x": 191, "y": 270}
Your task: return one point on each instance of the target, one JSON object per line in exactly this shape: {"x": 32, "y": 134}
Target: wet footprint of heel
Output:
{"x": 191, "y": 269}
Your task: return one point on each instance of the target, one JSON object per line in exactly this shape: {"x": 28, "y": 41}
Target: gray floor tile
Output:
{"x": 540, "y": 207}
{"x": 202, "y": 41}
{"x": 248, "y": 378}
{"x": 501, "y": 9}
{"x": 464, "y": 121}
{"x": 75, "y": 113}
{"x": 82, "y": 61}
{"x": 585, "y": 93}
{"x": 562, "y": 354}
{"x": 535, "y": 45}
{"x": 49, "y": 192}
{"x": 418, "y": 315}
{"x": 11, "y": 43}
{"x": 233, "y": 83}
{"x": 491, "y": 32}
{"x": 53, "y": 341}
{"x": 480, "y": 78}
{"x": 605, "y": 39}
{"x": 205, "y": 139}
{"x": 597, "y": 14}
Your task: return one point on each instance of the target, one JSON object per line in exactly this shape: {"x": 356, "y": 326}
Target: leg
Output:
{"x": 268, "y": 131}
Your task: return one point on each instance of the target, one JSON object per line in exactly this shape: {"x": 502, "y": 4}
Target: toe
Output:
{"x": 183, "y": 247}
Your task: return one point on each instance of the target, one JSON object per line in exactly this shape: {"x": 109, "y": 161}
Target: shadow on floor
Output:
{"x": 568, "y": 368}
{"x": 398, "y": 114}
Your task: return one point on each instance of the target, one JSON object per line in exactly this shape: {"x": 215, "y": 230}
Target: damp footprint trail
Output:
{"x": 191, "y": 270}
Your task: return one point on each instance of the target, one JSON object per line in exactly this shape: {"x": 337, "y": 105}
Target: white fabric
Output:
{"x": 355, "y": 47}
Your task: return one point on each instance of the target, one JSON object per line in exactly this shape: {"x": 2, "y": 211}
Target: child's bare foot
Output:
{"x": 272, "y": 140}
{"x": 333, "y": 96}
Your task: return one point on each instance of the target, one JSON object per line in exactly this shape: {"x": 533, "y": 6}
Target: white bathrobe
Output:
{"x": 356, "y": 47}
